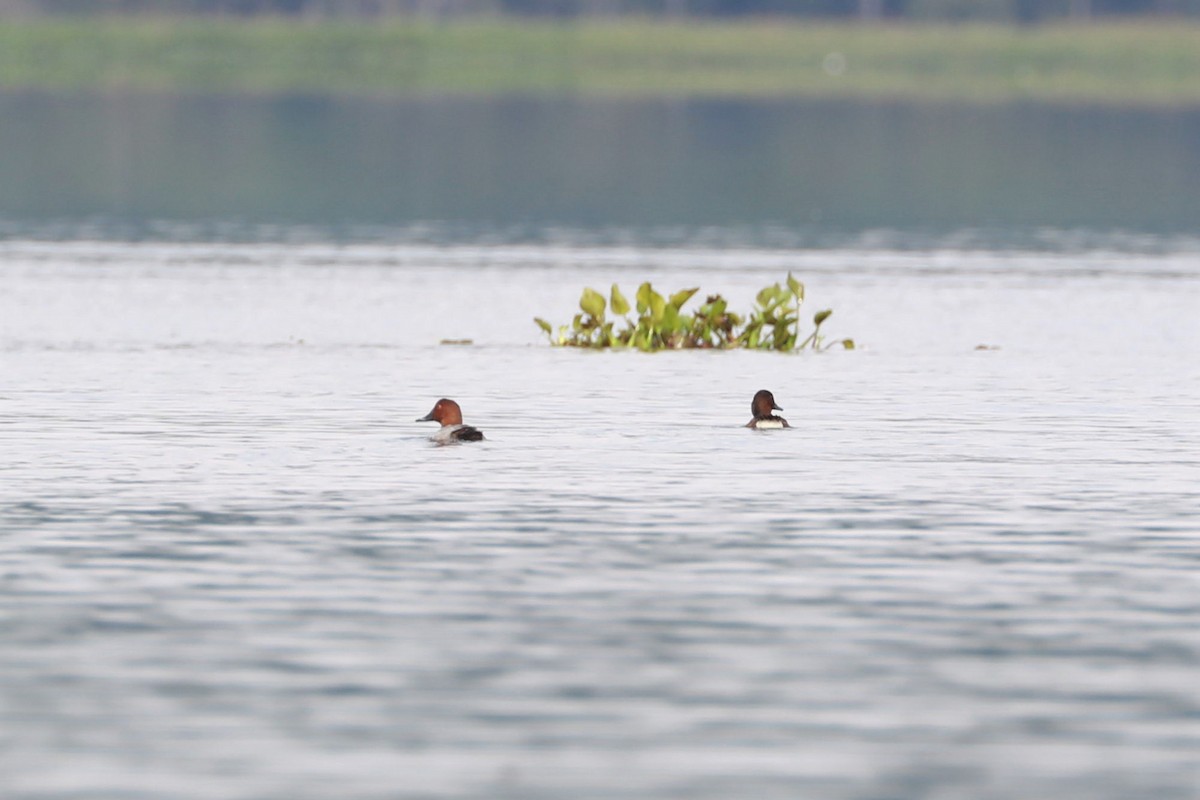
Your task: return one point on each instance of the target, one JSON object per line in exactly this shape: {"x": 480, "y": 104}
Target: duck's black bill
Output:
{"x": 427, "y": 418}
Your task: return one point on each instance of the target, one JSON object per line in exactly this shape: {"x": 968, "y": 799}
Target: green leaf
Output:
{"x": 604, "y": 336}
{"x": 796, "y": 286}
{"x": 771, "y": 296}
{"x": 643, "y": 297}
{"x": 592, "y": 303}
{"x": 847, "y": 344}
{"x": 544, "y": 325}
{"x": 681, "y": 297}
{"x": 821, "y": 316}
{"x": 670, "y": 321}
{"x": 657, "y": 304}
{"x": 620, "y": 306}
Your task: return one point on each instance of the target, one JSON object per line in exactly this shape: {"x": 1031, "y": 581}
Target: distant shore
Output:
{"x": 1136, "y": 64}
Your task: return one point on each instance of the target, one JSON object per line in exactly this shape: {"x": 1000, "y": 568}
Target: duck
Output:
{"x": 448, "y": 413}
{"x": 761, "y": 407}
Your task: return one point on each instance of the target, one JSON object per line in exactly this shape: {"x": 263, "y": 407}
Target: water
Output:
{"x": 825, "y": 170}
{"x": 231, "y": 566}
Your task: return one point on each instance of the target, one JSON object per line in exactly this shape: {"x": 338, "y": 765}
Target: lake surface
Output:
{"x": 822, "y": 173}
{"x": 231, "y": 566}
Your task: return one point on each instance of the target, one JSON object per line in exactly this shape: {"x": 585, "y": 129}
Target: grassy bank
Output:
{"x": 1128, "y": 64}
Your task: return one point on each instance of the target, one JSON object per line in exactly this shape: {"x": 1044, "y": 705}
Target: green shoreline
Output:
{"x": 1136, "y": 64}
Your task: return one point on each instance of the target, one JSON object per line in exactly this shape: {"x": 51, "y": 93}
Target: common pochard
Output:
{"x": 449, "y": 415}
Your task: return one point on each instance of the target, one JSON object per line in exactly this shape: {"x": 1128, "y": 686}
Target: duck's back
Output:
{"x": 458, "y": 433}
{"x": 466, "y": 433}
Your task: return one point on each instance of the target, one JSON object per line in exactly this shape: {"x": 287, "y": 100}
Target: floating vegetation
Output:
{"x": 662, "y": 324}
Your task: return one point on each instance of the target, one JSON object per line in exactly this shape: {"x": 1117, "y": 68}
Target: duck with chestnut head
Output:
{"x": 761, "y": 407}
{"x": 448, "y": 413}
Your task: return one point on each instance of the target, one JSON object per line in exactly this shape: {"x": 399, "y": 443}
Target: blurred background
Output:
{"x": 1025, "y": 10}
{"x": 771, "y": 121}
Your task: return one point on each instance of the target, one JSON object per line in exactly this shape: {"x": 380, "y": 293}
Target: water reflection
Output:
{"x": 835, "y": 167}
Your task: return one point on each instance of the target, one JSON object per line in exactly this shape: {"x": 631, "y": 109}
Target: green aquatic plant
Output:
{"x": 663, "y": 324}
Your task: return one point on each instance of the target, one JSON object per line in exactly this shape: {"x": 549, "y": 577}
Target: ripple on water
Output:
{"x": 231, "y": 567}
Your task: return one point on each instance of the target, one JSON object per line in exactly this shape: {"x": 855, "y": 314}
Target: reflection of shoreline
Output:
{"x": 781, "y": 174}
{"x": 977, "y": 64}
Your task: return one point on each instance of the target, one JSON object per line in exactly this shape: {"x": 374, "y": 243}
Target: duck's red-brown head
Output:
{"x": 444, "y": 411}
{"x": 763, "y": 404}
